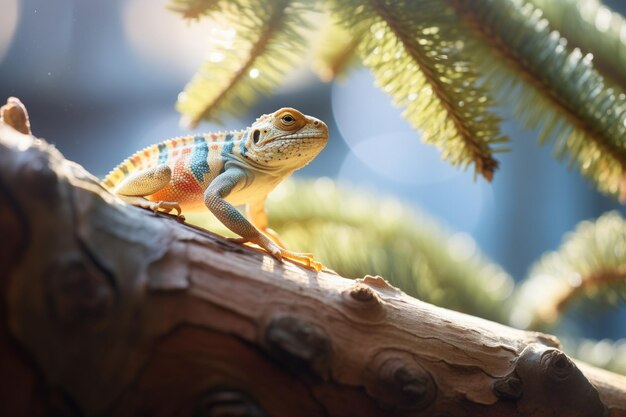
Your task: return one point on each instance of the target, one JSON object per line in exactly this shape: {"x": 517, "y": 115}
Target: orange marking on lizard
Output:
{"x": 135, "y": 160}
{"x": 183, "y": 186}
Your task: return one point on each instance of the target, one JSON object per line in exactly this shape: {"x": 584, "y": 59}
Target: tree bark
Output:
{"x": 111, "y": 310}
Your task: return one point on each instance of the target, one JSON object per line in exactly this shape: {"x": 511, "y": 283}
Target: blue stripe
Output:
{"x": 200, "y": 158}
{"x": 227, "y": 150}
{"x": 163, "y": 153}
{"x": 242, "y": 144}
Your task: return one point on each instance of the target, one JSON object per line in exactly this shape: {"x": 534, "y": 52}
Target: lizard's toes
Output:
{"x": 166, "y": 207}
{"x": 305, "y": 259}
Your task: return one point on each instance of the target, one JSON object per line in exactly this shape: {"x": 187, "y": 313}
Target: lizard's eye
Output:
{"x": 255, "y": 135}
{"x": 288, "y": 119}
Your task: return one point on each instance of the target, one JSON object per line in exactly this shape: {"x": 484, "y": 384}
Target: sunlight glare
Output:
{"x": 164, "y": 38}
{"x": 8, "y": 24}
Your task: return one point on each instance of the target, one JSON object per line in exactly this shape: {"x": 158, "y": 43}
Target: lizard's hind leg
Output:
{"x": 137, "y": 185}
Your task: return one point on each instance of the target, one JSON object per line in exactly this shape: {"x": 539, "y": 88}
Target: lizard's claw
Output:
{"x": 305, "y": 259}
{"x": 166, "y": 207}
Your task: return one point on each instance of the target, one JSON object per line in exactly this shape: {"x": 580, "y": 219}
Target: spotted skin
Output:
{"x": 222, "y": 170}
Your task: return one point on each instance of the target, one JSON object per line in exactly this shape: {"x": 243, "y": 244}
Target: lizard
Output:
{"x": 220, "y": 171}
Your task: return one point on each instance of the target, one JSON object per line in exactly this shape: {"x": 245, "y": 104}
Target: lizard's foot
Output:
{"x": 305, "y": 259}
{"x": 155, "y": 206}
{"x": 166, "y": 207}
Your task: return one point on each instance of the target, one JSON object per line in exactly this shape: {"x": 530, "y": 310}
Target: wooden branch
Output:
{"x": 111, "y": 310}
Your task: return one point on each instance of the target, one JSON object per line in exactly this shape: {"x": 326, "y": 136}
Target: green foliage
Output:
{"x": 560, "y": 91}
{"x": 267, "y": 44}
{"x": 335, "y": 51}
{"x": 194, "y": 9}
{"x": 385, "y": 237}
{"x": 594, "y": 28}
{"x": 605, "y": 353}
{"x": 442, "y": 61}
{"x": 589, "y": 266}
{"x": 430, "y": 75}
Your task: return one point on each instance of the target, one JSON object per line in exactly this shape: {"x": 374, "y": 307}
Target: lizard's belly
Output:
{"x": 186, "y": 190}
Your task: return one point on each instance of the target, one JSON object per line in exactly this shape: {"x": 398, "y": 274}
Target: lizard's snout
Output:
{"x": 318, "y": 124}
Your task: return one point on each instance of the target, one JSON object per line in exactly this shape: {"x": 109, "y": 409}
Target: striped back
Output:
{"x": 146, "y": 158}
{"x": 161, "y": 153}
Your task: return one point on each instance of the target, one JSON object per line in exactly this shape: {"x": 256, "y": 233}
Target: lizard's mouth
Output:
{"x": 301, "y": 136}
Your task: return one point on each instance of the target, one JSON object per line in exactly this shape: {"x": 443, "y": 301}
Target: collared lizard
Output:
{"x": 222, "y": 170}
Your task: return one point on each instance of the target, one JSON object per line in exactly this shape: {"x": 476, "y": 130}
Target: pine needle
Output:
{"x": 558, "y": 84}
{"x": 194, "y": 9}
{"x": 588, "y": 266}
{"x": 267, "y": 44}
{"x": 607, "y": 354}
{"x": 594, "y": 28}
{"x": 335, "y": 51}
{"x": 415, "y": 51}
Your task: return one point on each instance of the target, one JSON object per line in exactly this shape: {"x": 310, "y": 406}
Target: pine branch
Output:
{"x": 384, "y": 237}
{"x": 194, "y": 9}
{"x": 335, "y": 51}
{"x": 594, "y": 28}
{"x": 588, "y": 266}
{"x": 267, "y": 44}
{"x": 607, "y": 354}
{"x": 565, "y": 86}
{"x": 425, "y": 55}
{"x": 414, "y": 52}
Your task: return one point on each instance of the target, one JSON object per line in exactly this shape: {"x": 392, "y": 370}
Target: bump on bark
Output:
{"x": 39, "y": 178}
{"x": 364, "y": 301}
{"x": 378, "y": 282}
{"x": 78, "y": 292}
{"x": 399, "y": 383}
{"x": 299, "y": 344}
{"x": 546, "y": 382}
{"x": 14, "y": 114}
{"x": 227, "y": 404}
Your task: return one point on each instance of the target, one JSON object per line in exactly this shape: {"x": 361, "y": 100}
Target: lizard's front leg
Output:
{"x": 214, "y": 198}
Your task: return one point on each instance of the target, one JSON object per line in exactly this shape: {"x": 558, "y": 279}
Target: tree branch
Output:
{"x": 111, "y": 310}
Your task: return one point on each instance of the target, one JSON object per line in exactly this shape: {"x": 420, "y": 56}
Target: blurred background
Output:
{"x": 100, "y": 79}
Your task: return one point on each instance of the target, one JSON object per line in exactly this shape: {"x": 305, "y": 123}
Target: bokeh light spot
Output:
{"x": 8, "y": 24}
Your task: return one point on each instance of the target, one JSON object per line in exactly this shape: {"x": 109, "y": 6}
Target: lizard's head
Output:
{"x": 285, "y": 139}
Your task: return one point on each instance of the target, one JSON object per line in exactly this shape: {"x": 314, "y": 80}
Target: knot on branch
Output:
{"x": 78, "y": 292}
{"x": 508, "y": 388}
{"x": 364, "y": 301}
{"x": 398, "y": 382}
{"x": 13, "y": 229}
{"x": 378, "y": 282}
{"x": 225, "y": 404}
{"x": 300, "y": 344}
{"x": 546, "y": 382}
{"x": 39, "y": 178}
{"x": 15, "y": 115}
